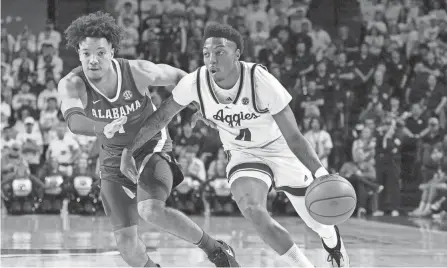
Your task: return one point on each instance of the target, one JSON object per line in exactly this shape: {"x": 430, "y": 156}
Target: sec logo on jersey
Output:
{"x": 245, "y": 101}
{"x": 127, "y": 95}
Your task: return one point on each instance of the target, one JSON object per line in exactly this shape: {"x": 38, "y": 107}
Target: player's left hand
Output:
{"x": 128, "y": 166}
{"x": 114, "y": 126}
{"x": 198, "y": 116}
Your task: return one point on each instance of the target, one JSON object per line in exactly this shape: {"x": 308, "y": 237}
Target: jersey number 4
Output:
{"x": 244, "y": 135}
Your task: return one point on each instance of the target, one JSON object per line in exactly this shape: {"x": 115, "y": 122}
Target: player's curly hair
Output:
{"x": 215, "y": 29}
{"x": 96, "y": 25}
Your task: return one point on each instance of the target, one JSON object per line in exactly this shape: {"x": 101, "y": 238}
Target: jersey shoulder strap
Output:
{"x": 253, "y": 87}
{"x": 199, "y": 92}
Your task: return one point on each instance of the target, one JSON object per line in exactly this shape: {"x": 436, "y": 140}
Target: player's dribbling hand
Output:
{"x": 198, "y": 116}
{"x": 128, "y": 166}
{"x": 116, "y": 125}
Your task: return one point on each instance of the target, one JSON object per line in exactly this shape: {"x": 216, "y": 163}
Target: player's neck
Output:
{"x": 231, "y": 79}
{"x": 104, "y": 83}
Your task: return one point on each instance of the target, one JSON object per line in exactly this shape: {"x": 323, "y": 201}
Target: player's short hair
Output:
{"x": 96, "y": 25}
{"x": 224, "y": 31}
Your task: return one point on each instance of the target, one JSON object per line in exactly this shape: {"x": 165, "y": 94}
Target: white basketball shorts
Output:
{"x": 274, "y": 164}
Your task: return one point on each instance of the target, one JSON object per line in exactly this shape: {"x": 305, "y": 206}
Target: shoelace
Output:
{"x": 216, "y": 255}
{"x": 335, "y": 255}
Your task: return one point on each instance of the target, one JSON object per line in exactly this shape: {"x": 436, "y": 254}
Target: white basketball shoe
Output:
{"x": 337, "y": 256}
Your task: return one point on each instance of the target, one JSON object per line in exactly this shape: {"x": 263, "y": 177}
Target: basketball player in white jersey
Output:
{"x": 260, "y": 135}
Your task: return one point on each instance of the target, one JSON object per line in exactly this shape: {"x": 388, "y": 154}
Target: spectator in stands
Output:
{"x": 191, "y": 165}
{"x": 298, "y": 35}
{"x": 22, "y": 66}
{"x": 188, "y": 139}
{"x": 8, "y": 42}
{"x": 428, "y": 142}
{"x": 430, "y": 189}
{"x": 36, "y": 86}
{"x": 435, "y": 99}
{"x": 380, "y": 88}
{"x": 6, "y": 111}
{"x": 49, "y": 92}
{"x": 48, "y": 120}
{"x": 24, "y": 97}
{"x": 304, "y": 60}
{"x": 320, "y": 140}
{"x": 361, "y": 172}
{"x": 9, "y": 135}
{"x": 128, "y": 12}
{"x": 14, "y": 166}
{"x": 397, "y": 68}
{"x": 26, "y": 40}
{"x": 31, "y": 143}
{"x": 376, "y": 40}
{"x": 388, "y": 160}
{"x": 209, "y": 143}
{"x": 392, "y": 11}
{"x": 7, "y": 79}
{"x": 198, "y": 8}
{"x": 217, "y": 168}
{"x": 259, "y": 37}
{"x": 255, "y": 15}
{"x": 49, "y": 36}
{"x": 62, "y": 149}
{"x": 311, "y": 102}
{"x": 320, "y": 40}
{"x": 346, "y": 42}
{"x": 174, "y": 6}
{"x": 289, "y": 75}
{"x": 49, "y": 65}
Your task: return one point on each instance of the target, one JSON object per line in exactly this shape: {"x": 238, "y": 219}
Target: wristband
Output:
{"x": 321, "y": 172}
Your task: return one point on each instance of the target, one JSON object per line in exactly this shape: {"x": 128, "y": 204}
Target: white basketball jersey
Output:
{"x": 242, "y": 123}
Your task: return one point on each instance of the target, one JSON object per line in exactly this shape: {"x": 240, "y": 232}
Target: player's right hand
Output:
{"x": 116, "y": 125}
{"x": 198, "y": 116}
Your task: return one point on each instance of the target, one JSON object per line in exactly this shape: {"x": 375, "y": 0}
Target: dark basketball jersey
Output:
{"x": 129, "y": 102}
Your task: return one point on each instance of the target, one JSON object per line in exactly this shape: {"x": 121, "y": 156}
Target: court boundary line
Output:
{"x": 397, "y": 225}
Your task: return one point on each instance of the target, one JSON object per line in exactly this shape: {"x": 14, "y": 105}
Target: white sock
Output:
{"x": 330, "y": 238}
{"x": 295, "y": 257}
{"x": 422, "y": 206}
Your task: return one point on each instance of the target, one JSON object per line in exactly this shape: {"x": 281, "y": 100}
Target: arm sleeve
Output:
{"x": 269, "y": 91}
{"x": 185, "y": 91}
{"x": 80, "y": 124}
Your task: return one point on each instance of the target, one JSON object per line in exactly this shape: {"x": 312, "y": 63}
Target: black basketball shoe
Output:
{"x": 223, "y": 256}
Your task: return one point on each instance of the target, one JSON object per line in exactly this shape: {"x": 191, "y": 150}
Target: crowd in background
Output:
{"x": 372, "y": 105}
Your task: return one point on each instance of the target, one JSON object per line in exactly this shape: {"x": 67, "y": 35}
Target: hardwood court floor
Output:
{"x": 76, "y": 241}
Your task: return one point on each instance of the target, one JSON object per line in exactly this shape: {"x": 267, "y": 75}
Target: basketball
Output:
{"x": 330, "y": 199}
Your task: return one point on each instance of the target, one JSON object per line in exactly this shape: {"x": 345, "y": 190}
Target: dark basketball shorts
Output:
{"x": 159, "y": 175}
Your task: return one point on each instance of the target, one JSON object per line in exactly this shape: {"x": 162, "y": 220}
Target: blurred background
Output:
{"x": 368, "y": 80}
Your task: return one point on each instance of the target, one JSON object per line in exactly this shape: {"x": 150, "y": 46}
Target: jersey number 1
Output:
{"x": 244, "y": 134}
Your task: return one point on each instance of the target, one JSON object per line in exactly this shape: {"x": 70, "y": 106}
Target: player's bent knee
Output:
{"x": 254, "y": 212}
{"x": 151, "y": 210}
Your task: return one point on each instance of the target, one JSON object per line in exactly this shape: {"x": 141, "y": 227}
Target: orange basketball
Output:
{"x": 330, "y": 199}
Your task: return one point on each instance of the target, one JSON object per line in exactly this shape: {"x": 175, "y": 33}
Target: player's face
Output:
{"x": 96, "y": 56}
{"x": 220, "y": 56}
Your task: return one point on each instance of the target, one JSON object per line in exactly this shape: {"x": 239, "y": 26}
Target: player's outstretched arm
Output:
{"x": 153, "y": 124}
{"x": 156, "y": 74}
{"x": 276, "y": 98}
{"x": 72, "y": 93}
{"x": 299, "y": 145}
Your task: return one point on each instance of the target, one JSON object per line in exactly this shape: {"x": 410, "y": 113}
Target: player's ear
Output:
{"x": 237, "y": 54}
{"x": 112, "y": 51}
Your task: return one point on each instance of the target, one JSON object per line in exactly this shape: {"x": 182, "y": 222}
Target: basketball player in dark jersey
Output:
{"x": 109, "y": 98}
